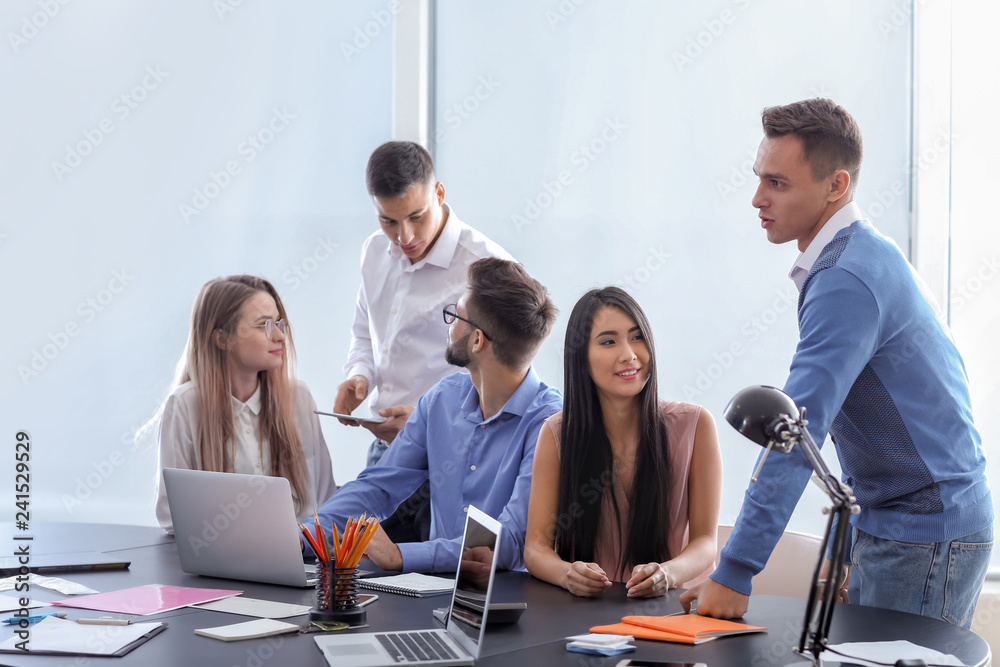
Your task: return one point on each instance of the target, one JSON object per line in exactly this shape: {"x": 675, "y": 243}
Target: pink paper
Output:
{"x": 145, "y": 600}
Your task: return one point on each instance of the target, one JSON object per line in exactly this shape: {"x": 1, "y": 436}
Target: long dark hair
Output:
{"x": 586, "y": 465}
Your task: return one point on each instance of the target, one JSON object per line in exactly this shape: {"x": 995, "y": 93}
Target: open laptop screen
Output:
{"x": 474, "y": 580}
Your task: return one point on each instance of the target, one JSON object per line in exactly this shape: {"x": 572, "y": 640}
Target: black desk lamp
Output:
{"x": 769, "y": 417}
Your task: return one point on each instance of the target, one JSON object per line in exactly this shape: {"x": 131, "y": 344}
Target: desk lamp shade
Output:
{"x": 756, "y": 411}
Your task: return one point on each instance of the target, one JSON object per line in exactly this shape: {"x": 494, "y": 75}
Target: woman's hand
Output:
{"x": 648, "y": 581}
{"x": 586, "y": 579}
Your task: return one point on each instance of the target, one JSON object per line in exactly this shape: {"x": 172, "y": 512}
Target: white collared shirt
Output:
{"x": 250, "y": 452}
{"x": 176, "y": 429}
{"x": 844, "y": 217}
{"x": 399, "y": 335}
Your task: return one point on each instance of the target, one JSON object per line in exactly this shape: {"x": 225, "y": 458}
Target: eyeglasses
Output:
{"x": 450, "y": 316}
{"x": 269, "y": 326}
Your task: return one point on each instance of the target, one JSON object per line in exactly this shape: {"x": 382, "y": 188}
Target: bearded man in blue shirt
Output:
{"x": 472, "y": 435}
{"x": 876, "y": 367}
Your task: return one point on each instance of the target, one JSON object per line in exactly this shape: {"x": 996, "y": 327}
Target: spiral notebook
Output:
{"x": 412, "y": 584}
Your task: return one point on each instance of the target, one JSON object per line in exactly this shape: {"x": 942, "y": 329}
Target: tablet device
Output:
{"x": 367, "y": 420}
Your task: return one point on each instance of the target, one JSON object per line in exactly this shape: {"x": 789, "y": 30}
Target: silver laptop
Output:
{"x": 460, "y": 642}
{"x": 236, "y": 526}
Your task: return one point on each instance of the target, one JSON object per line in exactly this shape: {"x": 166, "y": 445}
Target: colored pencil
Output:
{"x": 319, "y": 531}
{"x": 309, "y": 539}
{"x": 336, "y": 542}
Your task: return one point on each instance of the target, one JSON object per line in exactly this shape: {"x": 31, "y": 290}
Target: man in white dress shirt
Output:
{"x": 412, "y": 267}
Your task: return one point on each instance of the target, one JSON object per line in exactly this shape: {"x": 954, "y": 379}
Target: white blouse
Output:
{"x": 178, "y": 437}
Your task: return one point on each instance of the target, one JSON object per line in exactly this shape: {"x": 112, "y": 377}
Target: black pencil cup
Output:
{"x": 337, "y": 595}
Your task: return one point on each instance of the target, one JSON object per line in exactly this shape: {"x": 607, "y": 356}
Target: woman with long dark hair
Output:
{"x": 236, "y": 405}
{"x": 625, "y": 487}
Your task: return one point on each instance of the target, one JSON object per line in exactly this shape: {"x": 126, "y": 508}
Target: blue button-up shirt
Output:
{"x": 469, "y": 460}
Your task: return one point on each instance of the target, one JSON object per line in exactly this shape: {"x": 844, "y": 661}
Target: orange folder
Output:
{"x": 684, "y": 629}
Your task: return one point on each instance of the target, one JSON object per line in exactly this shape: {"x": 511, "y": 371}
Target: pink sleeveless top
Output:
{"x": 682, "y": 422}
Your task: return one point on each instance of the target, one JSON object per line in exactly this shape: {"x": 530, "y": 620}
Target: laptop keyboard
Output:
{"x": 415, "y": 646}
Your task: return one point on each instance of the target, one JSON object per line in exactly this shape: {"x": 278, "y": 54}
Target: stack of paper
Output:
{"x": 264, "y": 627}
{"x": 600, "y": 644}
{"x": 683, "y": 629}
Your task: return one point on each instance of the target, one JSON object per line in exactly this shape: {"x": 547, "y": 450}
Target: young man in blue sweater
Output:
{"x": 877, "y": 369}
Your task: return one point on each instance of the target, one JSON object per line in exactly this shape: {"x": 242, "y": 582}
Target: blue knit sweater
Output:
{"x": 877, "y": 369}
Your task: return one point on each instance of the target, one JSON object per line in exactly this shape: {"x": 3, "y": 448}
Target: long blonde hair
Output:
{"x": 218, "y": 307}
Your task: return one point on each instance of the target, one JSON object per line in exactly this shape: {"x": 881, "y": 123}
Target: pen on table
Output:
{"x": 34, "y": 618}
{"x": 104, "y": 620}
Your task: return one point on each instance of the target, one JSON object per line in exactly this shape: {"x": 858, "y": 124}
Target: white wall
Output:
{"x": 81, "y": 377}
{"x": 651, "y": 114}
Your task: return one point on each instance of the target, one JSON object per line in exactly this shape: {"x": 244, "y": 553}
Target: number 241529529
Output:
{"x": 22, "y": 479}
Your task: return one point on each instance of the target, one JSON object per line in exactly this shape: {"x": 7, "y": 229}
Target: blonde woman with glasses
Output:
{"x": 236, "y": 405}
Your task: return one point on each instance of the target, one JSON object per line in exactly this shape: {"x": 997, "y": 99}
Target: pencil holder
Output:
{"x": 337, "y": 595}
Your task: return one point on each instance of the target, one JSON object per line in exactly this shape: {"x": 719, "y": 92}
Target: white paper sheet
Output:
{"x": 253, "y": 607}
{"x": 64, "y": 586}
{"x": 12, "y": 603}
{"x": 887, "y": 652}
{"x": 57, "y": 634}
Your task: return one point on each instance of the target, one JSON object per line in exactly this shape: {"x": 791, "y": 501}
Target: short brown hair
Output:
{"x": 512, "y": 307}
{"x": 396, "y": 166}
{"x": 831, "y": 138}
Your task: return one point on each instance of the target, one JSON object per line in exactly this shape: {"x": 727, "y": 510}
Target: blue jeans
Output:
{"x": 375, "y": 451}
{"x": 940, "y": 579}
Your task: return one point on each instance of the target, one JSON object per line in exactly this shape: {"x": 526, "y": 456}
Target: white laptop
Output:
{"x": 460, "y": 642}
{"x": 236, "y": 526}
